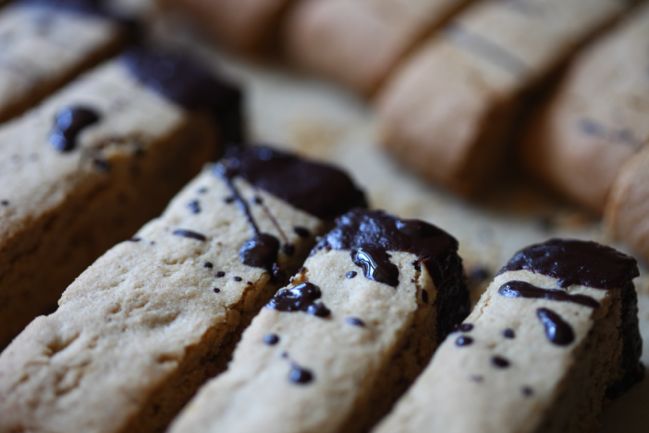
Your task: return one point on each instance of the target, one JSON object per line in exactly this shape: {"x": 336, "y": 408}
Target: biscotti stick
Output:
{"x": 627, "y": 209}
{"x": 554, "y": 334}
{"x": 141, "y": 328}
{"x": 359, "y": 42}
{"x": 597, "y": 119}
{"x": 95, "y": 162}
{"x": 449, "y": 110}
{"x": 244, "y": 25}
{"x": 46, "y": 43}
{"x": 334, "y": 349}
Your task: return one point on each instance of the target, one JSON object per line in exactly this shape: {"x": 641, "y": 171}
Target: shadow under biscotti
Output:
{"x": 629, "y": 413}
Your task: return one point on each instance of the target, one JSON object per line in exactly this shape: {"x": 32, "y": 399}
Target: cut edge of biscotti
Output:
{"x": 95, "y": 161}
{"x": 334, "y": 349}
{"x": 142, "y": 327}
{"x": 571, "y": 343}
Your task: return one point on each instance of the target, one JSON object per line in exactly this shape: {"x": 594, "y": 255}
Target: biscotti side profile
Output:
{"x": 91, "y": 165}
{"x": 248, "y": 26}
{"x": 138, "y": 331}
{"x": 628, "y": 204}
{"x": 339, "y": 38}
{"x": 553, "y": 336}
{"x": 46, "y": 43}
{"x": 597, "y": 119}
{"x": 333, "y": 350}
{"x": 449, "y": 111}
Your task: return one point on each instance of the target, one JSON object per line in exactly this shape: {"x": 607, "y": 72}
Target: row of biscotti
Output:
{"x": 84, "y": 169}
{"x": 140, "y": 330}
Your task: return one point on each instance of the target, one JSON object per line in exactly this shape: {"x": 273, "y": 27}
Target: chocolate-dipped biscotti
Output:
{"x": 598, "y": 117}
{"x": 627, "y": 209}
{"x": 359, "y": 42}
{"x": 142, "y": 327}
{"x": 554, "y": 334}
{"x": 333, "y": 350}
{"x": 243, "y": 25}
{"x": 450, "y": 109}
{"x": 95, "y": 162}
{"x": 46, "y": 43}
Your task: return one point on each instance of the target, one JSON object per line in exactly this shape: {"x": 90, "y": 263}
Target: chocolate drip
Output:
{"x": 522, "y": 289}
{"x": 302, "y": 297}
{"x": 577, "y": 262}
{"x": 370, "y": 235}
{"x": 190, "y": 235}
{"x": 557, "y": 330}
{"x": 260, "y": 251}
{"x": 68, "y": 125}
{"x": 316, "y": 188}
{"x": 190, "y": 84}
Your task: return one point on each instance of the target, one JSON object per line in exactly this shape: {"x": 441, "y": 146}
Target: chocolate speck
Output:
{"x": 355, "y": 321}
{"x": 476, "y": 378}
{"x": 220, "y": 274}
{"x": 500, "y": 362}
{"x": 4, "y": 203}
{"x": 351, "y": 274}
{"x": 194, "y": 206}
{"x": 135, "y": 239}
{"x": 271, "y": 339}
{"x": 237, "y": 279}
{"x": 463, "y": 340}
{"x": 203, "y": 190}
{"x": 216, "y": 290}
{"x": 229, "y": 199}
{"x": 509, "y": 333}
{"x": 68, "y": 125}
{"x": 300, "y": 375}
{"x": 258, "y": 200}
{"x": 465, "y": 327}
{"x": 208, "y": 265}
{"x": 527, "y": 391}
{"x": 190, "y": 235}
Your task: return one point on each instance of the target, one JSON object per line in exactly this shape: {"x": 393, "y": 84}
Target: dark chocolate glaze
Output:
{"x": 68, "y": 125}
{"x": 522, "y": 289}
{"x": 577, "y": 262}
{"x": 319, "y": 189}
{"x": 300, "y": 375}
{"x": 190, "y": 234}
{"x": 557, "y": 330}
{"x": 600, "y": 267}
{"x": 303, "y": 297}
{"x": 371, "y": 235}
{"x": 260, "y": 251}
{"x": 191, "y": 84}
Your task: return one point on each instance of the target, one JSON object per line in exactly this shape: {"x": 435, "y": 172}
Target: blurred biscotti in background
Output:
{"x": 597, "y": 118}
{"x": 95, "y": 161}
{"x": 360, "y": 42}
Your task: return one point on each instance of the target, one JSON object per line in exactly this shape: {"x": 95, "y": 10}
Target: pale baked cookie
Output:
{"x": 598, "y": 117}
{"x": 450, "y": 109}
{"x": 243, "y": 25}
{"x": 333, "y": 350}
{"x": 627, "y": 210}
{"x": 46, "y": 43}
{"x": 141, "y": 328}
{"x": 93, "y": 163}
{"x": 359, "y": 42}
{"x": 554, "y": 334}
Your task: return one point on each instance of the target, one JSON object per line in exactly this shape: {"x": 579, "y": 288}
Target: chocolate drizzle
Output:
{"x": 303, "y": 297}
{"x": 557, "y": 330}
{"x": 68, "y": 125}
{"x": 522, "y": 289}
{"x": 369, "y": 236}
{"x": 577, "y": 262}
{"x": 190, "y": 84}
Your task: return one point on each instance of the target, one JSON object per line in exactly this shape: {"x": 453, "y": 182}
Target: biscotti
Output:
{"x": 555, "y": 333}
{"x": 628, "y": 204}
{"x": 450, "y": 109}
{"x": 334, "y": 349}
{"x": 46, "y": 43}
{"x": 359, "y": 42}
{"x": 95, "y": 162}
{"x": 142, "y": 327}
{"x": 598, "y": 117}
{"x": 243, "y": 25}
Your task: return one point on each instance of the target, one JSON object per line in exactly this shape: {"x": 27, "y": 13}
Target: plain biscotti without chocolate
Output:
{"x": 46, "y": 43}
{"x": 555, "y": 333}
{"x": 140, "y": 329}
{"x": 332, "y": 351}
{"x": 95, "y": 162}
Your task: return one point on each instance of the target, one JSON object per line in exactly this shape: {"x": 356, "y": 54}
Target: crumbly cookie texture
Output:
{"x": 333, "y": 37}
{"x": 242, "y": 25}
{"x": 45, "y": 44}
{"x": 332, "y": 351}
{"x": 628, "y": 204}
{"x": 554, "y": 334}
{"x": 450, "y": 109}
{"x": 141, "y": 328}
{"x": 85, "y": 170}
{"x": 597, "y": 120}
